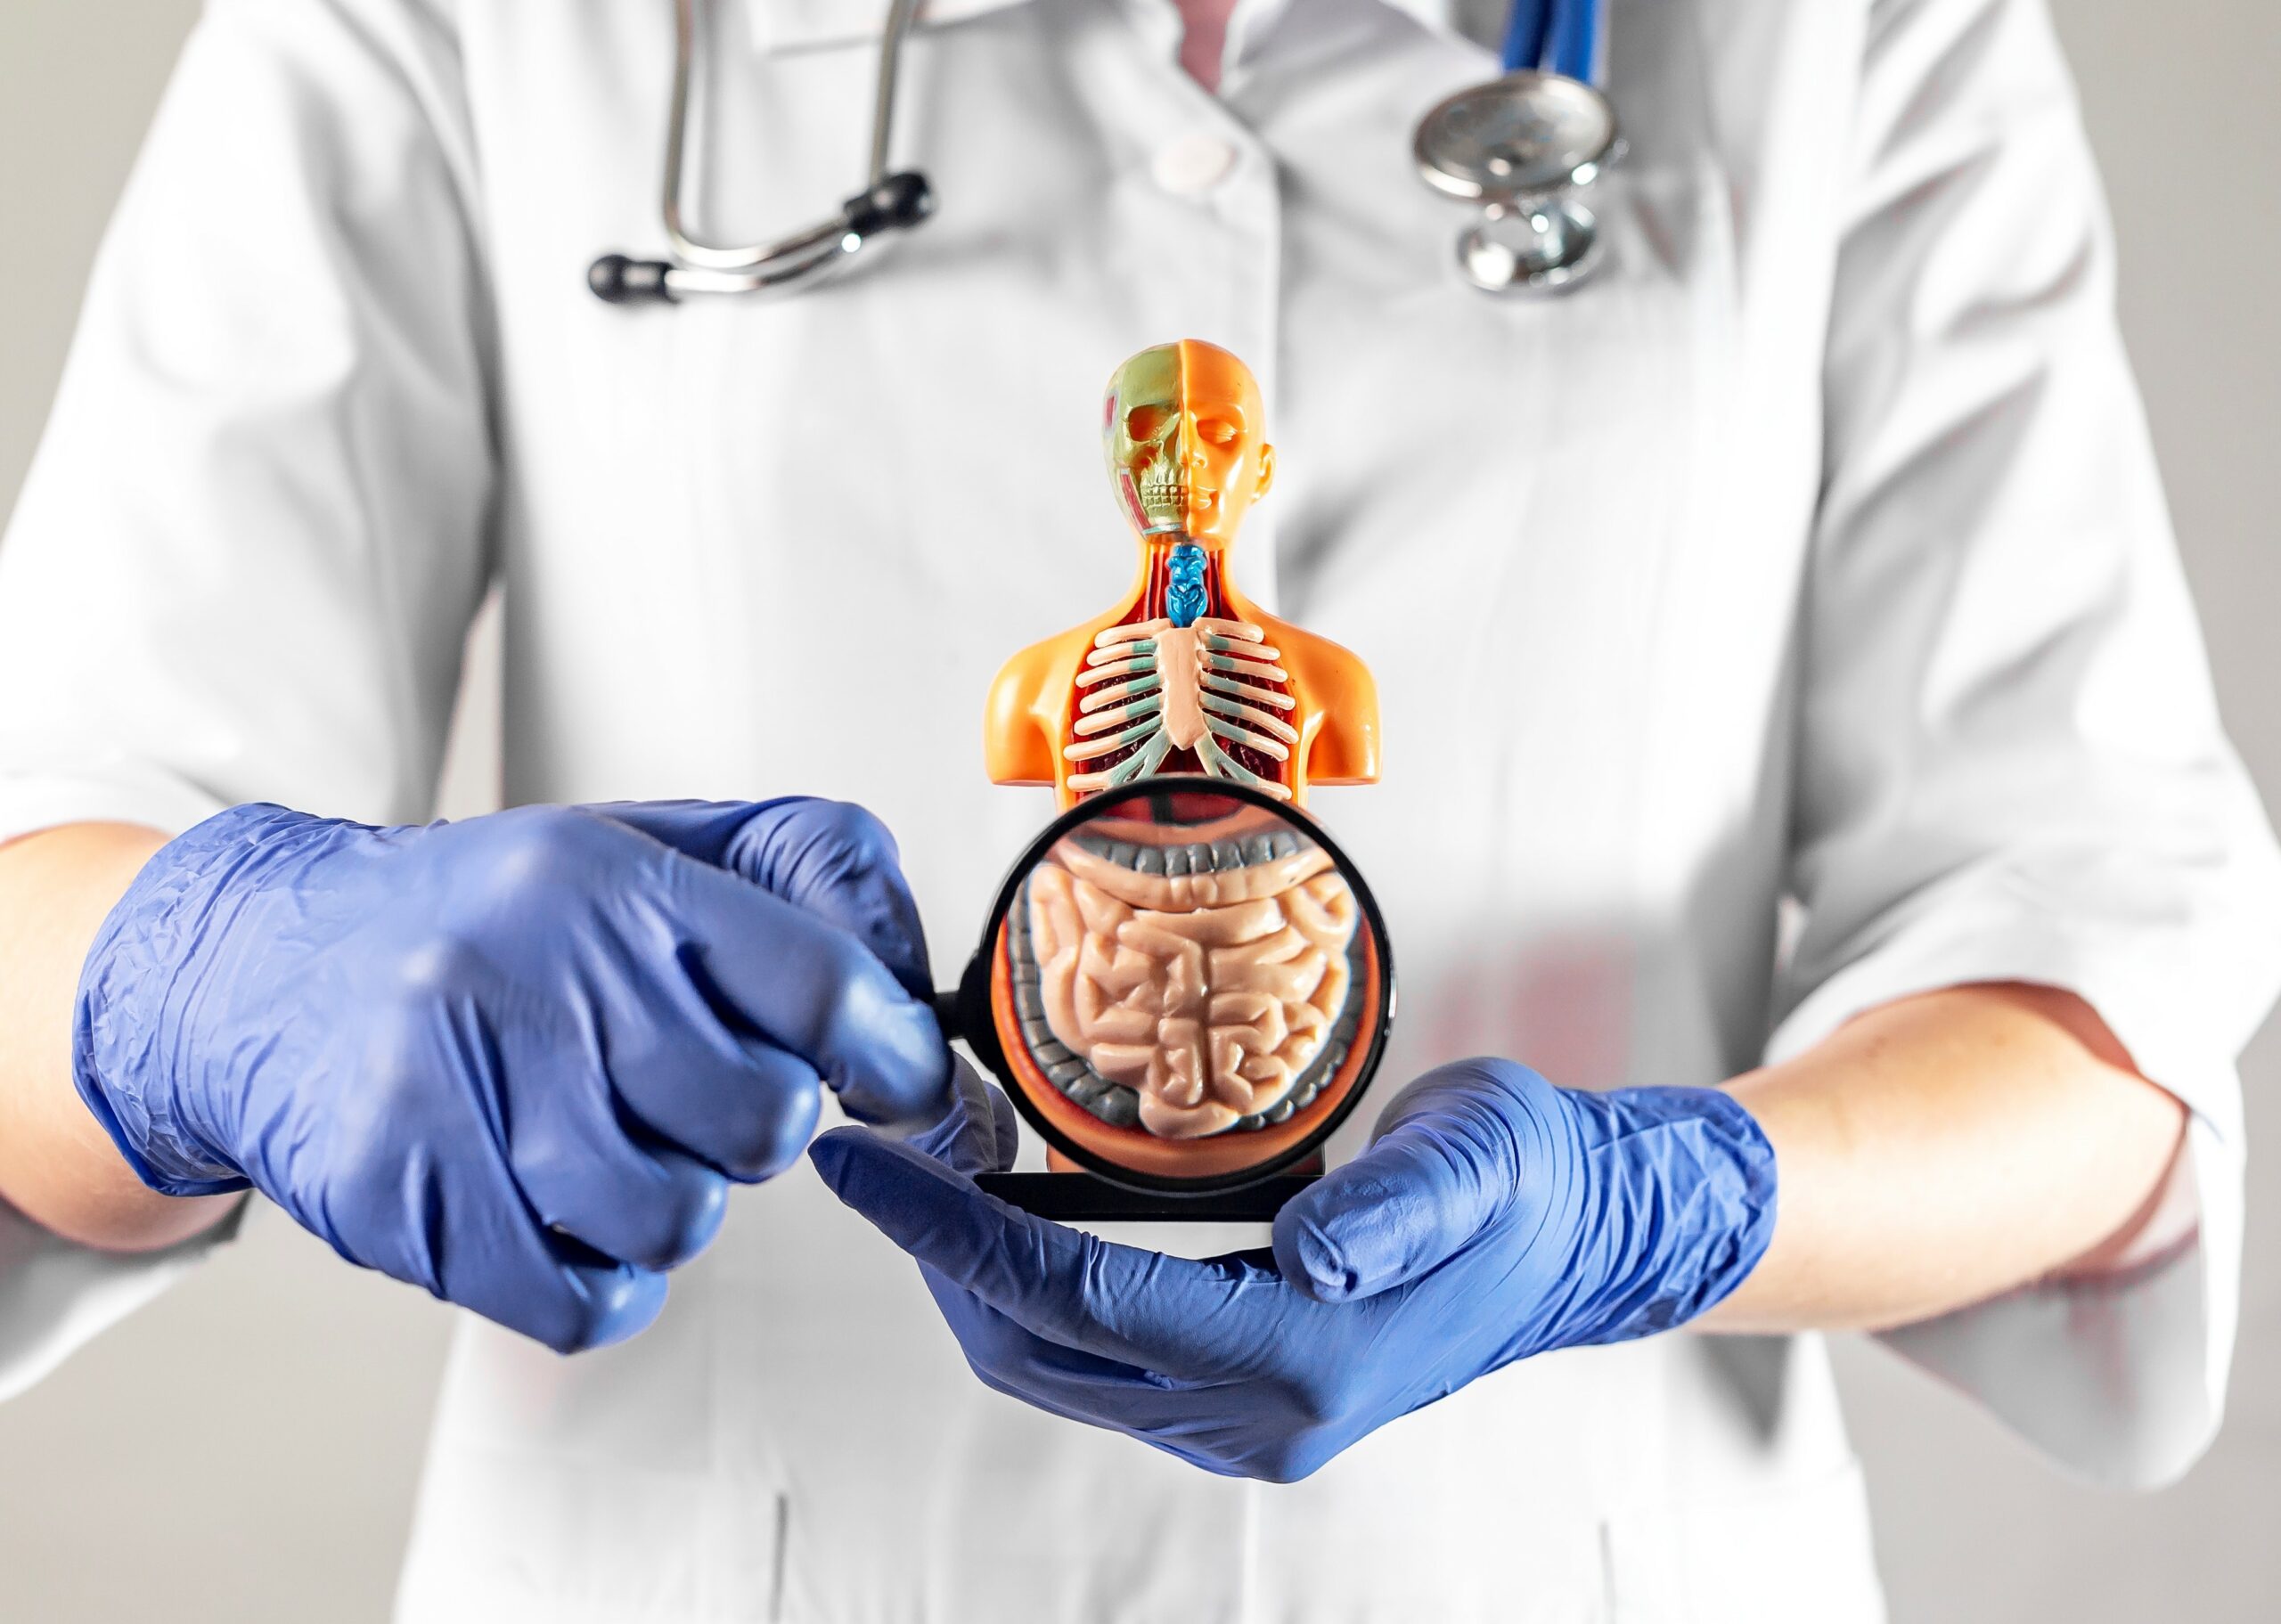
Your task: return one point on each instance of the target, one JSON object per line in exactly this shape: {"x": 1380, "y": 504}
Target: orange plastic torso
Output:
{"x": 1213, "y": 686}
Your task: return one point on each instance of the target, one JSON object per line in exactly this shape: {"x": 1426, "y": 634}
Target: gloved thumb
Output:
{"x": 831, "y": 858}
{"x": 1452, "y": 1153}
{"x": 980, "y": 1133}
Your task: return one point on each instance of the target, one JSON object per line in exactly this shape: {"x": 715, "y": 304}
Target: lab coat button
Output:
{"x": 1193, "y": 164}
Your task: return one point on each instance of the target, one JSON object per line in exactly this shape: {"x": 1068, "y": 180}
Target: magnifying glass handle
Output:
{"x": 947, "y": 1016}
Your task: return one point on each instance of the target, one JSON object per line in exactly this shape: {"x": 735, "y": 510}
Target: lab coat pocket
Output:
{"x": 1487, "y": 1507}
{"x": 579, "y": 1490}
{"x": 530, "y": 1537}
{"x": 1800, "y": 1555}
{"x": 1428, "y": 1558}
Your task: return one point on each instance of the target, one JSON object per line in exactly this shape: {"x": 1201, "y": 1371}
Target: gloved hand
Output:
{"x": 1495, "y": 1217}
{"x": 517, "y": 1059}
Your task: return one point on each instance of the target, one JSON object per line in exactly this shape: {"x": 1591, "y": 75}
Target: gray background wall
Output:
{"x": 247, "y": 1448}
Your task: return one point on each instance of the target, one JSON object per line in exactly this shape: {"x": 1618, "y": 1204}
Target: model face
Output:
{"x": 1229, "y": 462}
{"x": 1183, "y": 427}
{"x": 1143, "y": 435}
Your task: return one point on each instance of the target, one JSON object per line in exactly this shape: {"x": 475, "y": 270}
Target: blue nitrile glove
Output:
{"x": 1495, "y": 1217}
{"x": 517, "y": 1059}
{"x": 980, "y": 1133}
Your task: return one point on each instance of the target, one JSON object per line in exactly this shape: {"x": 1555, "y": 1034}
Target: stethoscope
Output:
{"x": 1526, "y": 148}
{"x": 1523, "y": 147}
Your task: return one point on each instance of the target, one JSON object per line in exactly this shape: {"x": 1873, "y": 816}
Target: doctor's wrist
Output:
{"x": 1686, "y": 1195}
{"x": 1594, "y": 1216}
{"x": 146, "y": 963}
{"x": 58, "y": 1167}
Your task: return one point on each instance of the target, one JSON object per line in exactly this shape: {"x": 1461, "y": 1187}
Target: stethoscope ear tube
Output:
{"x": 891, "y": 201}
{"x": 897, "y": 202}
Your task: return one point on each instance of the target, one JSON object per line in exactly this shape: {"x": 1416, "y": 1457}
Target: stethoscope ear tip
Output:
{"x": 894, "y": 202}
{"x": 617, "y": 279}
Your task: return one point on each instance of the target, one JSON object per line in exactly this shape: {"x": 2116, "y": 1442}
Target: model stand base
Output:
{"x": 1082, "y": 1198}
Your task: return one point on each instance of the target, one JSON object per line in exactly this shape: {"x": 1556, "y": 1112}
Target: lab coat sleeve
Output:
{"x": 253, "y": 536}
{"x": 2010, "y": 765}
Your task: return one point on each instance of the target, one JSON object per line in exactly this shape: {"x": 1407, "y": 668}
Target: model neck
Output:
{"x": 1180, "y": 581}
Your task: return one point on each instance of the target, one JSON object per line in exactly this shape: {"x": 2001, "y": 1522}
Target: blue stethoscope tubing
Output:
{"x": 1563, "y": 36}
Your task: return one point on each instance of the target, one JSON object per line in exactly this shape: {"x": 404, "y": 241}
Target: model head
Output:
{"x": 1186, "y": 438}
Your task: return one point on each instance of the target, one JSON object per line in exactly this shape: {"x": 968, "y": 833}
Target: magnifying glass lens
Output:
{"x": 1187, "y": 989}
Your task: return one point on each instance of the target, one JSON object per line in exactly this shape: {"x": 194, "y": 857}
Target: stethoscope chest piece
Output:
{"x": 1523, "y": 147}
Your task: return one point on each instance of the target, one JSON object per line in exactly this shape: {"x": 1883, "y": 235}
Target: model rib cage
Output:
{"x": 1154, "y": 696}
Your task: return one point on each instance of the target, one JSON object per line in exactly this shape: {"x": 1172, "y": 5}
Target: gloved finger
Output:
{"x": 980, "y": 1133}
{"x": 1093, "y": 1407}
{"x": 1212, "y": 1425}
{"x": 462, "y": 1230}
{"x": 574, "y": 1302}
{"x": 654, "y": 1208}
{"x": 1171, "y": 1442}
{"x": 454, "y": 1062}
{"x": 1447, "y": 1162}
{"x": 735, "y": 1101}
{"x": 1180, "y": 1318}
{"x": 1067, "y": 1381}
{"x": 832, "y": 857}
{"x": 772, "y": 969}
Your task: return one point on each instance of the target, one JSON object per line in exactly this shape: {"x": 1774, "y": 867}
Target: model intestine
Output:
{"x": 1193, "y": 984}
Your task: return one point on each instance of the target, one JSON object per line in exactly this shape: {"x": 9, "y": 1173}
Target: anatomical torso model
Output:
{"x": 1186, "y": 675}
{"x": 1188, "y": 982}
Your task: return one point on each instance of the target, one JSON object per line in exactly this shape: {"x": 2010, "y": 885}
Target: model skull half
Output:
{"x": 1189, "y": 981}
{"x": 1183, "y": 427}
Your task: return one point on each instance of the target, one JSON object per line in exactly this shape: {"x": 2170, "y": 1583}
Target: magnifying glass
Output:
{"x": 1184, "y": 986}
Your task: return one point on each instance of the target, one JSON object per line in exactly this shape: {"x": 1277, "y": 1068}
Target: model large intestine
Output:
{"x": 1186, "y": 675}
{"x": 1197, "y": 971}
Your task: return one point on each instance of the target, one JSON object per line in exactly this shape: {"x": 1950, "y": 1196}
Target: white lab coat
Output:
{"x": 1813, "y": 551}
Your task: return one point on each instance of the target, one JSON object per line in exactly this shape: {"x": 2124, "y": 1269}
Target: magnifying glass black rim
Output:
{"x": 981, "y": 1032}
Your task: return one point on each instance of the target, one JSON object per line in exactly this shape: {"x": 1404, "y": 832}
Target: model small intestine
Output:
{"x": 1180, "y": 981}
{"x": 1192, "y": 1001}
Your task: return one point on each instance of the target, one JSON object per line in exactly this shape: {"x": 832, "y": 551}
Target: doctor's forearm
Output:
{"x": 57, "y": 1165}
{"x": 1944, "y": 1149}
